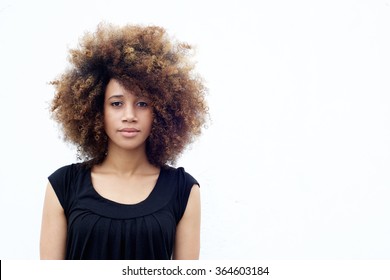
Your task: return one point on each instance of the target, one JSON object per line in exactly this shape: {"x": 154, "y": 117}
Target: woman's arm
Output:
{"x": 53, "y": 230}
{"x": 187, "y": 242}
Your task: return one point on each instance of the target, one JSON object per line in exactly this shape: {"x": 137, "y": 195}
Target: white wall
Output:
{"x": 295, "y": 163}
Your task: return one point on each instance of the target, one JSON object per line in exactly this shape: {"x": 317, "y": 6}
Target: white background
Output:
{"x": 295, "y": 162}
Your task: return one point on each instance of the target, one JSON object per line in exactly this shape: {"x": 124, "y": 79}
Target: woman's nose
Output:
{"x": 129, "y": 114}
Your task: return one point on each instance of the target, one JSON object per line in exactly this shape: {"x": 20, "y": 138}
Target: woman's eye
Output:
{"x": 142, "y": 104}
{"x": 116, "y": 104}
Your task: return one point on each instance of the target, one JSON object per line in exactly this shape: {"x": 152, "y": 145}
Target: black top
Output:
{"x": 99, "y": 228}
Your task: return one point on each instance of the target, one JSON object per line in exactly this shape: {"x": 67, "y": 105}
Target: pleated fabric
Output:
{"x": 101, "y": 229}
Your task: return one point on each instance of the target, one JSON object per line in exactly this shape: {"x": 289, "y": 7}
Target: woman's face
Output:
{"x": 128, "y": 117}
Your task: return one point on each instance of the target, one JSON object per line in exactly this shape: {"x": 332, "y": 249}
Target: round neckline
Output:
{"x": 140, "y": 203}
{"x": 91, "y": 201}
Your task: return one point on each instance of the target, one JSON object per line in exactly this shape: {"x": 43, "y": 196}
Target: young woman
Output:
{"x": 131, "y": 103}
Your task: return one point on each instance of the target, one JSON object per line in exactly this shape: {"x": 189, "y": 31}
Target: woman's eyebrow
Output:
{"x": 115, "y": 96}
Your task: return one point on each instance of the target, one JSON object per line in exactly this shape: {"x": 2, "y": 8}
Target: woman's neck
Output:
{"x": 124, "y": 162}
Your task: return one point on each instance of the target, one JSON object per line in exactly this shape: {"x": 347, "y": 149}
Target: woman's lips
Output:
{"x": 129, "y": 132}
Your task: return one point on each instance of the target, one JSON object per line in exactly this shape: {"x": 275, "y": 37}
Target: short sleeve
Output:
{"x": 61, "y": 181}
{"x": 185, "y": 184}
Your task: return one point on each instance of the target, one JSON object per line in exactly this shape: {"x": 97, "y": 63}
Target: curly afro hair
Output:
{"x": 137, "y": 56}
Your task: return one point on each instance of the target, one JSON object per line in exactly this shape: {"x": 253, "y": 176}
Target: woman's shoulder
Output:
{"x": 181, "y": 183}
{"x": 62, "y": 181}
{"x": 67, "y": 173}
{"x": 180, "y": 175}
{"x": 69, "y": 168}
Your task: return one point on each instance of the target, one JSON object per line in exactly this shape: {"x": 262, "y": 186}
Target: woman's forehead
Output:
{"x": 117, "y": 87}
